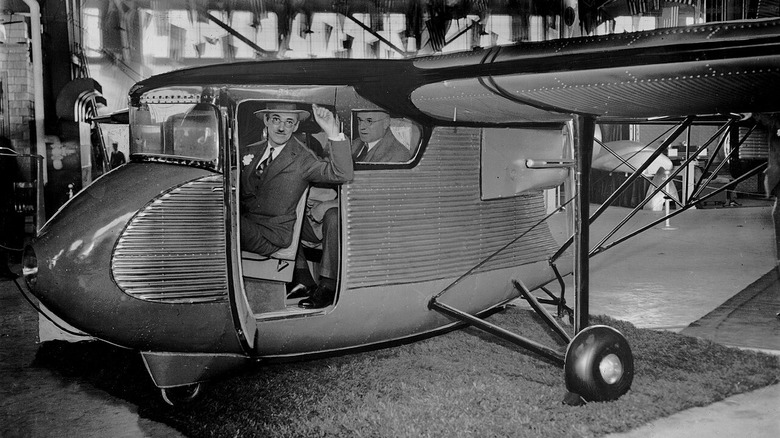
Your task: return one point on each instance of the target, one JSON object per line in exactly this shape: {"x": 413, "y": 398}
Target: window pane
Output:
{"x": 181, "y": 130}
{"x": 381, "y": 138}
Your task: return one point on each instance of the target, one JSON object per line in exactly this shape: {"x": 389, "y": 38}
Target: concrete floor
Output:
{"x": 34, "y": 402}
{"x": 668, "y": 278}
{"x": 663, "y": 279}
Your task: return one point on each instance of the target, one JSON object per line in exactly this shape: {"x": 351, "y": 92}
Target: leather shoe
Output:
{"x": 299, "y": 291}
{"x": 321, "y": 297}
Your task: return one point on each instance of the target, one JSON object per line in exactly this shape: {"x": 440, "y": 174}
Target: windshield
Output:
{"x": 184, "y": 130}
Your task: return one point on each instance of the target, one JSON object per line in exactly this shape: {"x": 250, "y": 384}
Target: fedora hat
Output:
{"x": 375, "y": 109}
{"x": 283, "y": 107}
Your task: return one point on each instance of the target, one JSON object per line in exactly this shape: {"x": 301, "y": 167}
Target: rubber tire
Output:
{"x": 583, "y": 357}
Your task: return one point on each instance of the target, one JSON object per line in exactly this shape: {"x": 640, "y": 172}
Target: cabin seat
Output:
{"x": 278, "y": 266}
{"x": 406, "y": 132}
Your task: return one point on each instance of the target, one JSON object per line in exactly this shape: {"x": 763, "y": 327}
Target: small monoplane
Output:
{"x": 148, "y": 256}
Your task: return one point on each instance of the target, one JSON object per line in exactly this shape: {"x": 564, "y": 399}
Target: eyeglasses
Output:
{"x": 370, "y": 121}
{"x": 288, "y": 123}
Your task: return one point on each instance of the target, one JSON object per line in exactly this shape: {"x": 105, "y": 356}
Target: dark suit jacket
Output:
{"x": 269, "y": 201}
{"x": 389, "y": 149}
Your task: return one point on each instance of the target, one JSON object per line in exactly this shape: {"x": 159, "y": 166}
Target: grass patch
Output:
{"x": 464, "y": 383}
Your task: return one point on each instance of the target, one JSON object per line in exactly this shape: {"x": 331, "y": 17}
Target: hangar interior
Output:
{"x": 74, "y": 60}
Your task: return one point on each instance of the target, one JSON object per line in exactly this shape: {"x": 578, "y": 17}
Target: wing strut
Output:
{"x": 628, "y": 164}
{"x": 584, "y": 129}
{"x": 687, "y": 202}
{"x": 601, "y": 247}
{"x": 697, "y": 195}
{"x": 630, "y": 180}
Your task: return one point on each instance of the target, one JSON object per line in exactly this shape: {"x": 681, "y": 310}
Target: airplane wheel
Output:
{"x": 599, "y": 365}
{"x": 179, "y": 395}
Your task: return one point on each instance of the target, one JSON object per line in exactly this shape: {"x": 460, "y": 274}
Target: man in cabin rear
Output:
{"x": 377, "y": 144}
{"x": 277, "y": 171}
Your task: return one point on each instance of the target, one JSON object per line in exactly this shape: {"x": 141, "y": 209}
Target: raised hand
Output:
{"x": 327, "y": 120}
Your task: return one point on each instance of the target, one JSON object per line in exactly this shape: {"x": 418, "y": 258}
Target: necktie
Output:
{"x": 263, "y": 164}
{"x": 363, "y": 152}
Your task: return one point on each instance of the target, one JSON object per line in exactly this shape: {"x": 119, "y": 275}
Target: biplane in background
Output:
{"x": 147, "y": 257}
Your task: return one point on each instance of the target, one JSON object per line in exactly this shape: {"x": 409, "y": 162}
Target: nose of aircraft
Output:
{"x": 68, "y": 265}
{"x": 134, "y": 259}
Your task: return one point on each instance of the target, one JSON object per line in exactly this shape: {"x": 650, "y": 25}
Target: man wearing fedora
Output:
{"x": 277, "y": 171}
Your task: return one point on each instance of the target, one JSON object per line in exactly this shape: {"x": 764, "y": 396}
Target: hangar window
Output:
{"x": 93, "y": 41}
{"x": 173, "y": 34}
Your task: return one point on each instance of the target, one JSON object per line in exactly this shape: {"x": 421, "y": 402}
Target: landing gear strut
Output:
{"x": 598, "y": 363}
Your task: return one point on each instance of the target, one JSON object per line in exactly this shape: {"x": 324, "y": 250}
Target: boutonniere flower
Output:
{"x": 247, "y": 159}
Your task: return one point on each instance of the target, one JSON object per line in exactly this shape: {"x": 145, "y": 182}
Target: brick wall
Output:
{"x": 18, "y": 87}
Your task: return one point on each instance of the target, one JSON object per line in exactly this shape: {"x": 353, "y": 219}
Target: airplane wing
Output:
{"x": 727, "y": 67}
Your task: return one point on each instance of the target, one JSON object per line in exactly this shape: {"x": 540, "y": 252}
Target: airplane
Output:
{"x": 148, "y": 256}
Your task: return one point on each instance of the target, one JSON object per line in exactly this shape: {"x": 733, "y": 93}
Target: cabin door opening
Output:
{"x": 244, "y": 320}
{"x": 268, "y": 281}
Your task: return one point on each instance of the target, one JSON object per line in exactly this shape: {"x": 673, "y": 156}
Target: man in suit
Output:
{"x": 276, "y": 172}
{"x": 376, "y": 144}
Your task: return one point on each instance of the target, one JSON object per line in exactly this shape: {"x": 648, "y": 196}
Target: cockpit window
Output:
{"x": 184, "y": 130}
{"x": 381, "y": 137}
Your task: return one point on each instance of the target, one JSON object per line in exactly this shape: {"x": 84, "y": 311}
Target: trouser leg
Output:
{"x": 330, "y": 244}
{"x": 302, "y": 274}
{"x": 253, "y": 240}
